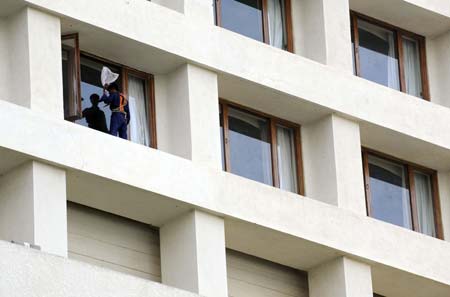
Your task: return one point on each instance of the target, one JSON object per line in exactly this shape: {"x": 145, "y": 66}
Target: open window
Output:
{"x": 402, "y": 193}
{"x": 389, "y": 56}
{"x": 81, "y": 78}
{"x": 261, "y": 147}
{"x": 267, "y": 21}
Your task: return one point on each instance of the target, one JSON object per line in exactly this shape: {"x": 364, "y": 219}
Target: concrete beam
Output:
{"x": 193, "y": 254}
{"x": 33, "y": 207}
{"x": 332, "y": 163}
{"x": 342, "y": 277}
{"x": 202, "y": 10}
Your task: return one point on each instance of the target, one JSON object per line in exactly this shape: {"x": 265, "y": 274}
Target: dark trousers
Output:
{"x": 118, "y": 125}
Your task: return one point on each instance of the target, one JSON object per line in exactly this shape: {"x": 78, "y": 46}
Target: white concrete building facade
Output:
{"x": 274, "y": 148}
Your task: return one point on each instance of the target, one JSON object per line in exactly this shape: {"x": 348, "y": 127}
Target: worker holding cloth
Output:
{"x": 120, "y": 116}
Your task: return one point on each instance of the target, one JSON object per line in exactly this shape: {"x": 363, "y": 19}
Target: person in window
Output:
{"x": 120, "y": 116}
{"x": 95, "y": 117}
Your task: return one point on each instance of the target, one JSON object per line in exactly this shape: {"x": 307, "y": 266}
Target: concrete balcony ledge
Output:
{"x": 155, "y": 39}
{"x": 151, "y": 186}
{"x": 27, "y": 272}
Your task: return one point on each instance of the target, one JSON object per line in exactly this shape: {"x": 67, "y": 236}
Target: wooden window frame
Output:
{"x": 409, "y": 168}
{"x": 273, "y": 122}
{"x": 125, "y": 71}
{"x": 265, "y": 22}
{"x": 75, "y": 38}
{"x": 399, "y": 33}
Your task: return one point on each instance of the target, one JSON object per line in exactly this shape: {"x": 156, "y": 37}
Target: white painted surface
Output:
{"x": 193, "y": 254}
{"x": 332, "y": 163}
{"x": 35, "y": 76}
{"x": 113, "y": 242}
{"x": 444, "y": 197}
{"x": 26, "y": 272}
{"x": 439, "y": 76}
{"x": 202, "y": 10}
{"x": 342, "y": 277}
{"x": 249, "y": 276}
{"x": 33, "y": 206}
{"x": 322, "y": 32}
{"x": 188, "y": 99}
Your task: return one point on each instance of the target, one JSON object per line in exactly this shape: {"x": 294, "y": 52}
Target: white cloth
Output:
{"x": 107, "y": 76}
{"x": 424, "y": 203}
{"x": 413, "y": 77}
{"x": 139, "y": 130}
{"x": 276, "y": 23}
{"x": 286, "y": 159}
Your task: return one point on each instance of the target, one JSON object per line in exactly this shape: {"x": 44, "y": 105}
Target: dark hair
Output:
{"x": 95, "y": 96}
{"x": 113, "y": 86}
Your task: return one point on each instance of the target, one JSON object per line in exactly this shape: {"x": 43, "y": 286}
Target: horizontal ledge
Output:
{"x": 148, "y": 181}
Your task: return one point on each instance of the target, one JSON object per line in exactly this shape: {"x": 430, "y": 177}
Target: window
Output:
{"x": 260, "y": 147}
{"x": 402, "y": 194}
{"x": 389, "y": 56}
{"x": 268, "y": 21}
{"x": 81, "y": 79}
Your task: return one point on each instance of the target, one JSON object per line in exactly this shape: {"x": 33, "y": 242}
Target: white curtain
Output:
{"x": 139, "y": 130}
{"x": 413, "y": 77}
{"x": 286, "y": 159}
{"x": 276, "y": 11}
{"x": 424, "y": 203}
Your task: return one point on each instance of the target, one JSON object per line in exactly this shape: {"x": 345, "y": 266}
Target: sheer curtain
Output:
{"x": 277, "y": 25}
{"x": 139, "y": 131}
{"x": 424, "y": 203}
{"x": 286, "y": 159}
{"x": 413, "y": 77}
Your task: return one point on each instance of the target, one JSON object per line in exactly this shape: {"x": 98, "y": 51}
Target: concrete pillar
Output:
{"x": 444, "y": 199}
{"x": 438, "y": 61}
{"x": 342, "y": 277}
{"x": 33, "y": 207}
{"x": 333, "y": 163}
{"x": 322, "y": 32}
{"x": 188, "y": 115}
{"x": 200, "y": 10}
{"x": 35, "y": 71}
{"x": 193, "y": 254}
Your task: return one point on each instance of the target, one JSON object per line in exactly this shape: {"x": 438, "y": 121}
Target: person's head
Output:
{"x": 113, "y": 87}
{"x": 94, "y": 99}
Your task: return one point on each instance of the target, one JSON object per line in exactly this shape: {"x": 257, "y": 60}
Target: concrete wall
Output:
{"x": 439, "y": 75}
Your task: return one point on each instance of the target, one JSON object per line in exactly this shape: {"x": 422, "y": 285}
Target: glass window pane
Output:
{"x": 222, "y": 142}
{"x": 276, "y": 13}
{"x": 250, "y": 150}
{"x": 424, "y": 199}
{"x": 138, "y": 105}
{"x": 244, "y": 17}
{"x": 390, "y": 201}
{"x": 287, "y": 166}
{"x": 378, "y": 55}
{"x": 95, "y": 115}
{"x": 413, "y": 76}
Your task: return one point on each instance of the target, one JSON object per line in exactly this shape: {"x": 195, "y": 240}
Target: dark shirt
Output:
{"x": 114, "y": 102}
{"x": 95, "y": 118}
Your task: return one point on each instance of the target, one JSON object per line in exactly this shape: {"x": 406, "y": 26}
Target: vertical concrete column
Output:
{"x": 193, "y": 254}
{"x": 322, "y": 32}
{"x": 438, "y": 61}
{"x": 200, "y": 10}
{"x": 342, "y": 277}
{"x": 333, "y": 163}
{"x": 35, "y": 71}
{"x": 188, "y": 115}
{"x": 33, "y": 206}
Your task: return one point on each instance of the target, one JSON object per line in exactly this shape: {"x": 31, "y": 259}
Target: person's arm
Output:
{"x": 127, "y": 110}
{"x": 105, "y": 98}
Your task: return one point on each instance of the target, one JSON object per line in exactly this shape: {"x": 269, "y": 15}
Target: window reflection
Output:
{"x": 250, "y": 149}
{"x": 378, "y": 55}
{"x": 244, "y": 17}
{"x": 389, "y": 192}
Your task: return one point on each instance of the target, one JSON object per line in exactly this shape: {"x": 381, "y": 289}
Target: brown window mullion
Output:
{"x": 226, "y": 142}
{"x": 354, "y": 20}
{"x": 299, "y": 162}
{"x": 218, "y": 10}
{"x": 423, "y": 69}
{"x": 401, "y": 64}
{"x": 365, "y": 159}
{"x": 436, "y": 206}
{"x": 273, "y": 145}
{"x": 412, "y": 195}
{"x": 265, "y": 22}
